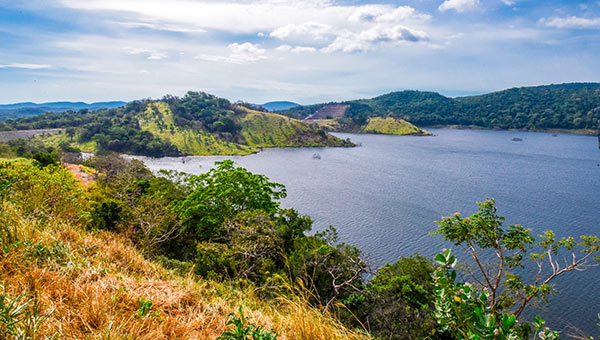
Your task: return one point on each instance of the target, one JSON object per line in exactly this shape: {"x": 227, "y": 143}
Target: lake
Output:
{"x": 385, "y": 195}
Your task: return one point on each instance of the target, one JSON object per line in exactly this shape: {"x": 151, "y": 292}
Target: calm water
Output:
{"x": 385, "y": 195}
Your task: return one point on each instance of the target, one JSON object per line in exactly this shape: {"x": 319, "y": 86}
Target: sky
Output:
{"x": 304, "y": 51}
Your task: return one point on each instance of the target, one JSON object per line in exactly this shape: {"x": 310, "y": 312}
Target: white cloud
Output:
{"x": 571, "y": 22}
{"x": 240, "y": 54}
{"x": 160, "y": 27}
{"x": 368, "y": 39}
{"x": 383, "y": 13}
{"x": 509, "y": 2}
{"x": 150, "y": 54}
{"x": 312, "y": 23}
{"x": 26, "y": 66}
{"x": 458, "y": 5}
{"x": 303, "y": 49}
{"x": 157, "y": 56}
{"x": 284, "y": 48}
{"x": 305, "y": 31}
{"x": 297, "y": 49}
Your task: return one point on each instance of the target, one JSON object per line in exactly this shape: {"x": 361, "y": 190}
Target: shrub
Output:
{"x": 244, "y": 330}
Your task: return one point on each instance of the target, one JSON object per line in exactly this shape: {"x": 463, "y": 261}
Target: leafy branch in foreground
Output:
{"x": 482, "y": 236}
{"x": 465, "y": 312}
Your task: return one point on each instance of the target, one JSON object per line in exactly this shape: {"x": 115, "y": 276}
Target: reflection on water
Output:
{"x": 385, "y": 195}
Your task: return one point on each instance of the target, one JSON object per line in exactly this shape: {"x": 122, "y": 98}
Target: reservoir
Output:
{"x": 384, "y": 195}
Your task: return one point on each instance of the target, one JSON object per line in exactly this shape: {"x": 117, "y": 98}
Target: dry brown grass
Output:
{"x": 91, "y": 287}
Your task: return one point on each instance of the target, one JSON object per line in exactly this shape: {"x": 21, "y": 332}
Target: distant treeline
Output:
{"x": 563, "y": 106}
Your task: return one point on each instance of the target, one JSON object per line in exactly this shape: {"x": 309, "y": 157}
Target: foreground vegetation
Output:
{"x": 573, "y": 107}
{"x": 196, "y": 124}
{"x": 141, "y": 256}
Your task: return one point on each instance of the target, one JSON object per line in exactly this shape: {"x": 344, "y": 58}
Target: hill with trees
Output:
{"x": 574, "y": 106}
{"x": 196, "y": 124}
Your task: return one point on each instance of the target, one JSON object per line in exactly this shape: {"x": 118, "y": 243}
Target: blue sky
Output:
{"x": 305, "y": 51}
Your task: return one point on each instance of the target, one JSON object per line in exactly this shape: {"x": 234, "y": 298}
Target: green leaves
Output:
{"x": 144, "y": 308}
{"x": 244, "y": 330}
{"x": 484, "y": 230}
{"x": 464, "y": 312}
{"x": 222, "y": 193}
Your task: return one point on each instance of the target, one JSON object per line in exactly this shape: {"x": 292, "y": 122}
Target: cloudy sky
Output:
{"x": 305, "y": 51}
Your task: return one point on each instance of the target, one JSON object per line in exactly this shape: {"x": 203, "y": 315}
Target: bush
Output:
{"x": 48, "y": 193}
{"x": 45, "y": 159}
{"x": 244, "y": 330}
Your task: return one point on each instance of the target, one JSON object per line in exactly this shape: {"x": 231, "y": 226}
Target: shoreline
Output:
{"x": 583, "y": 132}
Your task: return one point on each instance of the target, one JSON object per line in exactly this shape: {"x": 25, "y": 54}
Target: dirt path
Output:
{"x": 85, "y": 178}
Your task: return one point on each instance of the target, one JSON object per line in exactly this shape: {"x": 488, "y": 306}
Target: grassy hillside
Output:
{"x": 262, "y": 129}
{"x": 66, "y": 281}
{"x": 158, "y": 120}
{"x": 376, "y": 125}
{"x": 392, "y": 126}
{"x": 196, "y": 124}
{"x": 574, "y": 107}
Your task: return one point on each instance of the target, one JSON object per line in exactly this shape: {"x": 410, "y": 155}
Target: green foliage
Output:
{"x": 244, "y": 330}
{"x": 465, "y": 312}
{"x": 105, "y": 215}
{"x": 181, "y": 268}
{"x": 483, "y": 236}
{"x": 51, "y": 192}
{"x": 398, "y": 300}
{"x": 329, "y": 269}
{"x": 222, "y": 193}
{"x": 145, "y": 309}
{"x": 45, "y": 159}
{"x": 129, "y": 197}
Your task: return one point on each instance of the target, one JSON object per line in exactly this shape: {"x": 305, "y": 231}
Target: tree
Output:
{"x": 483, "y": 237}
{"x": 222, "y": 193}
{"x": 398, "y": 300}
{"x": 329, "y": 269}
{"x": 463, "y": 312}
{"x": 154, "y": 222}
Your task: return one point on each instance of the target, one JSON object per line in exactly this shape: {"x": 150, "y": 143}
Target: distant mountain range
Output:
{"x": 279, "y": 105}
{"x": 31, "y": 109}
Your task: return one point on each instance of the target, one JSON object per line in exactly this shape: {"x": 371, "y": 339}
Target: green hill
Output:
{"x": 574, "y": 106}
{"x": 392, "y": 126}
{"x": 196, "y": 124}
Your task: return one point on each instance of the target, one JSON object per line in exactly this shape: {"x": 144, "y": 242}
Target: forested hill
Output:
{"x": 562, "y": 106}
{"x": 196, "y": 124}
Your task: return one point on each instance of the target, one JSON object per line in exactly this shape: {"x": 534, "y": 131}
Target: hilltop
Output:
{"x": 572, "y": 106}
{"x": 196, "y": 124}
